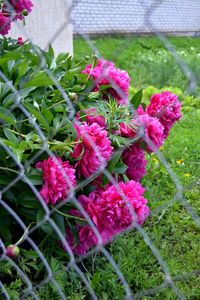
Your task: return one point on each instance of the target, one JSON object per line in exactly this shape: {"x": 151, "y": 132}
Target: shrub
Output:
{"x": 63, "y": 130}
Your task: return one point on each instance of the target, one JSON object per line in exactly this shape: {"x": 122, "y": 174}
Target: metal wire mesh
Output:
{"x": 29, "y": 290}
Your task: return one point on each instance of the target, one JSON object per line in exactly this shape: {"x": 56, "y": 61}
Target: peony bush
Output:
{"x": 75, "y": 153}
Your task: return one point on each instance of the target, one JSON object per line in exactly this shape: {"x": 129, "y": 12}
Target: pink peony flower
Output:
{"x": 91, "y": 116}
{"x": 144, "y": 124}
{"x": 4, "y": 24}
{"x": 166, "y": 107}
{"x": 111, "y": 213}
{"x": 94, "y": 149}
{"x": 140, "y": 111}
{"x": 105, "y": 73}
{"x": 19, "y": 6}
{"x": 115, "y": 204}
{"x": 134, "y": 158}
{"x": 86, "y": 239}
{"x": 128, "y": 130}
{"x": 56, "y": 186}
{"x": 153, "y": 131}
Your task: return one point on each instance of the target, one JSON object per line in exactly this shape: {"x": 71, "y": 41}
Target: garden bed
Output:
{"x": 170, "y": 229}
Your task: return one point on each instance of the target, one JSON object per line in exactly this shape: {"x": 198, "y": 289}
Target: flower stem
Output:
{"x": 92, "y": 67}
{"x": 8, "y": 169}
{"x": 24, "y": 234}
{"x": 13, "y": 131}
{"x": 57, "y": 103}
{"x": 7, "y": 14}
{"x": 69, "y": 216}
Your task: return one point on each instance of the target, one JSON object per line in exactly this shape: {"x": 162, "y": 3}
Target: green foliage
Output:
{"x": 113, "y": 113}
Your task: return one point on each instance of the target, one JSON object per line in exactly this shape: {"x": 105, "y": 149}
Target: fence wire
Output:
{"x": 30, "y": 290}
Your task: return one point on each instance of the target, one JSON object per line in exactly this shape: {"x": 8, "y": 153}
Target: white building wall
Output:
{"x": 130, "y": 16}
{"x": 49, "y": 22}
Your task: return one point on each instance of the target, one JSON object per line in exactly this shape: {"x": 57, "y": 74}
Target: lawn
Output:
{"x": 169, "y": 243}
{"x": 147, "y": 60}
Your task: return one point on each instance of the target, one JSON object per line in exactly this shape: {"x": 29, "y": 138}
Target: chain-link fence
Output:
{"x": 33, "y": 253}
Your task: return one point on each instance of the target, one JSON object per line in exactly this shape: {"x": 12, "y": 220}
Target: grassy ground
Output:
{"x": 147, "y": 61}
{"x": 171, "y": 228}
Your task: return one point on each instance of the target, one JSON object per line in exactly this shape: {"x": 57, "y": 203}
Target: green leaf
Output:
{"x": 32, "y": 136}
{"x": 96, "y": 279}
{"x": 94, "y": 95}
{"x": 120, "y": 168}
{"x": 22, "y": 69}
{"x": 46, "y": 227}
{"x": 11, "y": 136}
{"x": 60, "y": 222}
{"x": 5, "y": 180}
{"x": 35, "y": 179}
{"x": 39, "y": 80}
{"x": 10, "y": 56}
{"x": 47, "y": 114}
{"x": 11, "y": 98}
{"x": 8, "y": 143}
{"x": 62, "y": 57}
{"x": 51, "y": 52}
{"x": 5, "y": 226}
{"x": 136, "y": 99}
{"x": 30, "y": 254}
{"x": 29, "y": 200}
{"x": 5, "y": 41}
{"x": 38, "y": 115}
{"x": 104, "y": 87}
{"x": 115, "y": 158}
{"x": 30, "y": 203}
{"x": 71, "y": 129}
{"x": 144, "y": 106}
{"x": 77, "y": 88}
{"x": 7, "y": 116}
{"x": 5, "y": 88}
{"x": 33, "y": 58}
{"x": 50, "y": 58}
{"x": 111, "y": 164}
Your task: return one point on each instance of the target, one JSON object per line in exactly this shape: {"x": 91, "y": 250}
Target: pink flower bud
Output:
{"x": 20, "y": 41}
{"x": 12, "y": 251}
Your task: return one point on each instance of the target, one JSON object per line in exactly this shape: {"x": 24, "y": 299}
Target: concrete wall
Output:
{"x": 48, "y": 22}
{"x": 51, "y": 20}
{"x": 130, "y": 16}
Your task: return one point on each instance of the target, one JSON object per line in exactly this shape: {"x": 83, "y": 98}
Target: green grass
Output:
{"x": 170, "y": 228}
{"x": 146, "y": 59}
